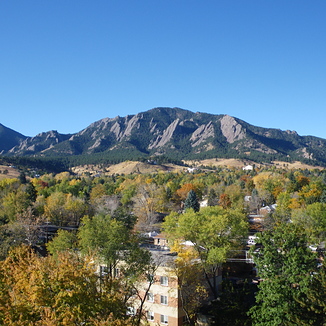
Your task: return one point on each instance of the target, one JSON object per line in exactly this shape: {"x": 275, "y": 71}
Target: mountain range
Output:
{"x": 171, "y": 132}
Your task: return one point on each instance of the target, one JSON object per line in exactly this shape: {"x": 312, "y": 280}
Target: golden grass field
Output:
{"x": 129, "y": 167}
{"x": 12, "y": 172}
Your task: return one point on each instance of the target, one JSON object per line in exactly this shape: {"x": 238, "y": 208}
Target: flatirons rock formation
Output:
{"x": 172, "y": 132}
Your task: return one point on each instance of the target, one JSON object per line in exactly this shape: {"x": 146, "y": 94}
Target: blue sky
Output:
{"x": 65, "y": 64}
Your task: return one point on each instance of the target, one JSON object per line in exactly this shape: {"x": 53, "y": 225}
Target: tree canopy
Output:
{"x": 288, "y": 269}
{"x": 213, "y": 232}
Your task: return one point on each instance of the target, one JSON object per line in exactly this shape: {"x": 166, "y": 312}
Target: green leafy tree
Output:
{"x": 286, "y": 266}
{"x": 214, "y": 233}
{"x": 233, "y": 305}
{"x": 315, "y": 302}
{"x": 117, "y": 248}
{"x": 64, "y": 240}
{"x": 114, "y": 245}
{"x": 312, "y": 219}
{"x": 11, "y": 235}
{"x": 106, "y": 236}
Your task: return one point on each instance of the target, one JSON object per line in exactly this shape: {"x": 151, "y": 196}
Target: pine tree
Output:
{"x": 212, "y": 198}
{"x": 192, "y": 201}
{"x": 22, "y": 178}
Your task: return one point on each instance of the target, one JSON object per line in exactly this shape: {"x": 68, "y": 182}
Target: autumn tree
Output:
{"x": 14, "y": 203}
{"x": 183, "y": 192}
{"x": 190, "y": 280}
{"x": 236, "y": 195}
{"x": 269, "y": 185}
{"x": 64, "y": 209}
{"x": 310, "y": 193}
{"x": 97, "y": 192}
{"x": 56, "y": 291}
{"x": 54, "y": 208}
{"x": 225, "y": 201}
{"x": 75, "y": 208}
{"x": 148, "y": 201}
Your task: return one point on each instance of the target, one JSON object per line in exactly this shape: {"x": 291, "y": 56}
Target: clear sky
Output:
{"x": 67, "y": 63}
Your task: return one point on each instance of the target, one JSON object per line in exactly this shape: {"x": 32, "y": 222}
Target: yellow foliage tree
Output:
{"x": 55, "y": 291}
{"x": 190, "y": 279}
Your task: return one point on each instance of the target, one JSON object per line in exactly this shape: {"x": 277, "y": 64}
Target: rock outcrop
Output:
{"x": 172, "y": 132}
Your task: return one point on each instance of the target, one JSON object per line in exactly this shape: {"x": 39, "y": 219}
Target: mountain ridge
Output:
{"x": 172, "y": 132}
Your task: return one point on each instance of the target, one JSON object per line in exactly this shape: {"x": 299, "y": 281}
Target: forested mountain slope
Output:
{"x": 173, "y": 132}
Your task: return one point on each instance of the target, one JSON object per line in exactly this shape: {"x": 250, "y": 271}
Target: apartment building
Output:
{"x": 162, "y": 304}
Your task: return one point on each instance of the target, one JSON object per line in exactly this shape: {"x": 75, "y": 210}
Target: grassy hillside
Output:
{"x": 8, "y": 172}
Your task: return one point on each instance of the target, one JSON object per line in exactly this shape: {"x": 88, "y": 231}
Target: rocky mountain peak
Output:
{"x": 231, "y": 129}
{"x": 171, "y": 132}
{"x": 202, "y": 133}
{"x": 161, "y": 140}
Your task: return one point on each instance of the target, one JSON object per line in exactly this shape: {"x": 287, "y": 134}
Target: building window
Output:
{"x": 131, "y": 311}
{"x": 164, "y": 319}
{"x": 164, "y": 280}
{"x": 116, "y": 272}
{"x": 150, "y": 278}
{"x": 164, "y": 299}
{"x": 104, "y": 271}
{"x": 150, "y": 297}
{"x": 150, "y": 315}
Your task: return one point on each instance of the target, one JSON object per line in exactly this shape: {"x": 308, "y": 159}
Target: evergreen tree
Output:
{"x": 323, "y": 197}
{"x": 22, "y": 178}
{"x": 31, "y": 192}
{"x": 192, "y": 201}
{"x": 212, "y": 198}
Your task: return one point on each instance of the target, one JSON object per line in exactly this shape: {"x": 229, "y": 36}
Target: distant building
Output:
{"x": 161, "y": 241}
{"x": 192, "y": 170}
{"x": 267, "y": 209}
{"x": 248, "y": 168}
{"x": 203, "y": 203}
